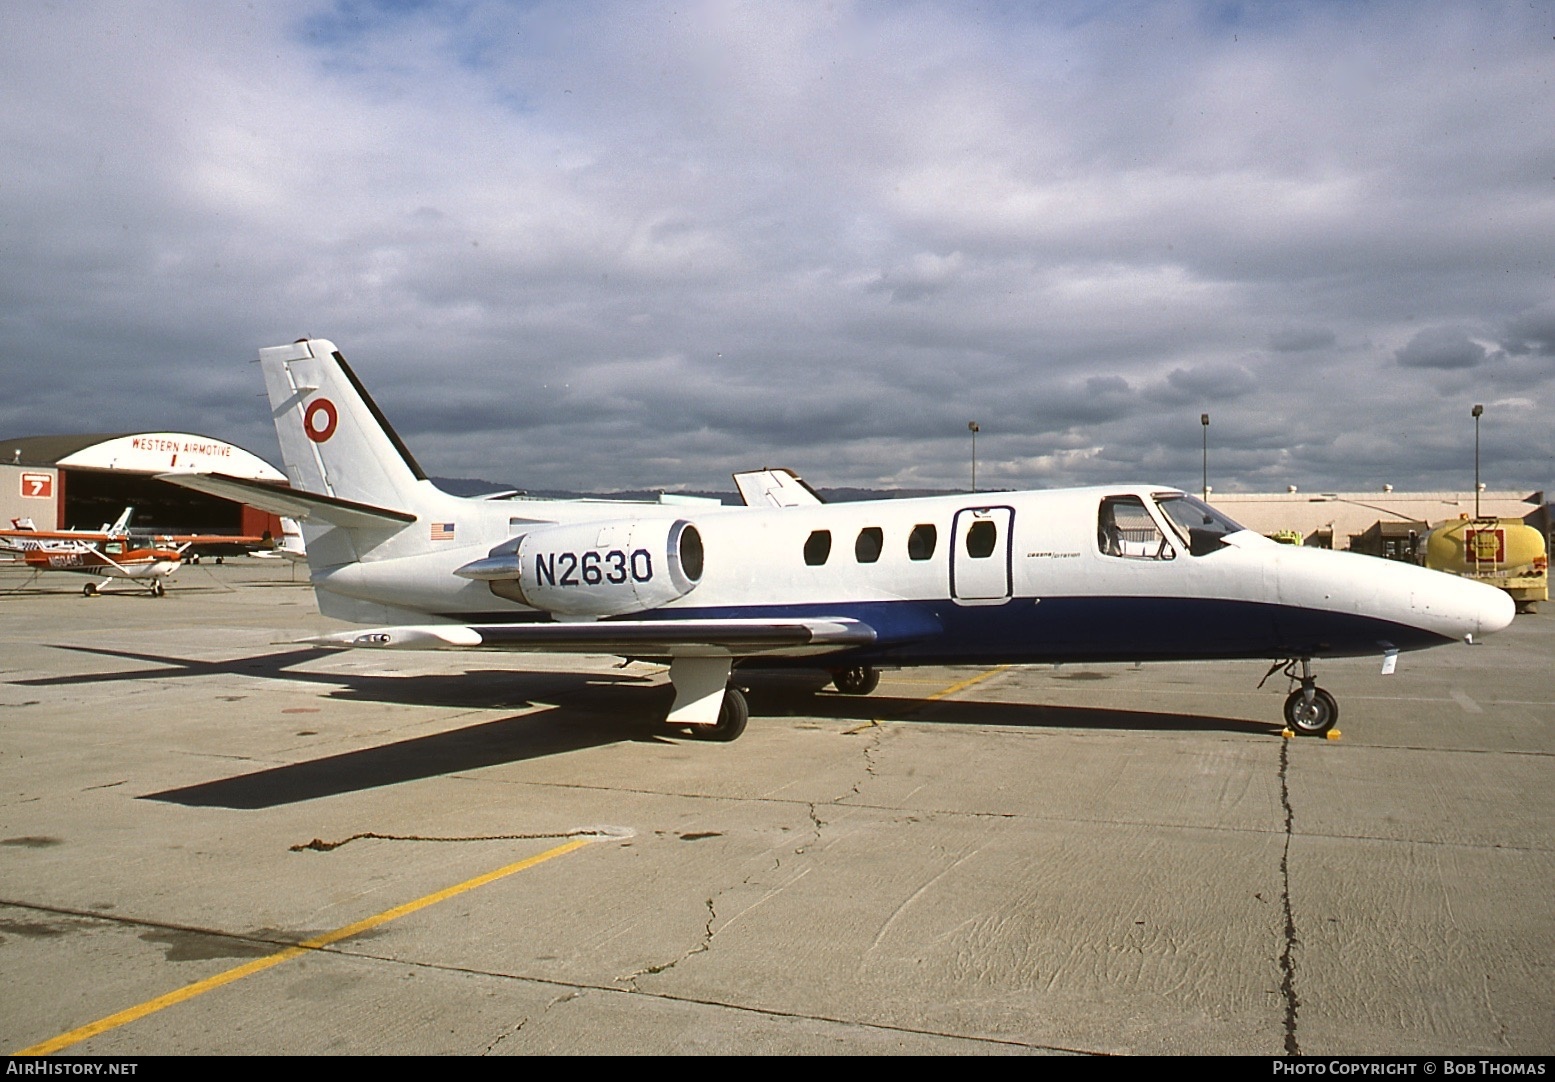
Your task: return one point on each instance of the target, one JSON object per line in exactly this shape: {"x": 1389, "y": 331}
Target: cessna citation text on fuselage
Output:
{"x": 1119, "y": 573}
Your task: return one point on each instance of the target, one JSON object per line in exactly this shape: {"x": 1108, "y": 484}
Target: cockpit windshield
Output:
{"x": 1200, "y": 526}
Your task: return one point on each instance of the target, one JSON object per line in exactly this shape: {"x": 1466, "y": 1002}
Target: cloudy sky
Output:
{"x": 607, "y": 245}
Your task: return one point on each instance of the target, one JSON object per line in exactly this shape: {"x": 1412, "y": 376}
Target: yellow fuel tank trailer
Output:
{"x": 1503, "y": 552}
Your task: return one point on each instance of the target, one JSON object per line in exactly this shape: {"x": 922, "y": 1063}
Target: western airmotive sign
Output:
{"x": 164, "y": 452}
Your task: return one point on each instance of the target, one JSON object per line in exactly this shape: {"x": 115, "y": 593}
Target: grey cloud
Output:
{"x": 641, "y": 245}
{"x": 1532, "y": 331}
{"x": 1208, "y": 383}
{"x": 1301, "y": 339}
{"x": 1441, "y": 347}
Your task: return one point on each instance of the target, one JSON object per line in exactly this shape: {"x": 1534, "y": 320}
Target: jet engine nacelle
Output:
{"x": 596, "y": 569}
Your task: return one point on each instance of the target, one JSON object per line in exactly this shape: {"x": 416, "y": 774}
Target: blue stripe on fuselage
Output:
{"x": 1075, "y": 629}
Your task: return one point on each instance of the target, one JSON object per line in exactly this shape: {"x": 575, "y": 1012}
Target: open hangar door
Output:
{"x": 93, "y": 497}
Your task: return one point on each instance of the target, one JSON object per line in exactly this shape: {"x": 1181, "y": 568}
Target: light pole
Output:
{"x": 1204, "y": 421}
{"x": 974, "y": 429}
{"x": 1478, "y": 410}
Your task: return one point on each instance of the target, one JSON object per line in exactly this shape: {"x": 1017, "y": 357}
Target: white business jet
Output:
{"x": 1117, "y": 573}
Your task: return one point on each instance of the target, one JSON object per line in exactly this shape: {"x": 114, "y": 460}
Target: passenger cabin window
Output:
{"x": 1124, "y": 528}
{"x": 817, "y": 548}
{"x": 981, "y": 540}
{"x": 921, "y": 542}
{"x": 866, "y": 550}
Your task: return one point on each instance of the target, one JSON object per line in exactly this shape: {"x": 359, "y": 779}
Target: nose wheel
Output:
{"x": 1311, "y": 711}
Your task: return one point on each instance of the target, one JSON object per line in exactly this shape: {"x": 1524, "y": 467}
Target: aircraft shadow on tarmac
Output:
{"x": 790, "y": 699}
{"x": 507, "y": 740}
{"x": 576, "y": 711}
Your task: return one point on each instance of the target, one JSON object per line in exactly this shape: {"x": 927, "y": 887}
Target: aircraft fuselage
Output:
{"x": 1004, "y": 577}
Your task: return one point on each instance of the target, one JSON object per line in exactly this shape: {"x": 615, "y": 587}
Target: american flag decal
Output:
{"x": 442, "y": 531}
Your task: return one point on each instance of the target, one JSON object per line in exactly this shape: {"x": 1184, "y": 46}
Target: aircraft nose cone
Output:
{"x": 1469, "y": 608}
{"x": 1496, "y": 610}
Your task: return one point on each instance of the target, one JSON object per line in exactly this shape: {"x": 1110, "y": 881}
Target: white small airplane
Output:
{"x": 290, "y": 547}
{"x": 1117, "y": 573}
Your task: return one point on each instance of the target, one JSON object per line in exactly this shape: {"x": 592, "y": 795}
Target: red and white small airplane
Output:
{"x": 1115, "y": 573}
{"x": 109, "y": 560}
{"x": 112, "y": 552}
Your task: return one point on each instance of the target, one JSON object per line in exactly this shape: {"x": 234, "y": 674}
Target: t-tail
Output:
{"x": 372, "y": 500}
{"x": 359, "y": 493}
{"x": 334, "y": 439}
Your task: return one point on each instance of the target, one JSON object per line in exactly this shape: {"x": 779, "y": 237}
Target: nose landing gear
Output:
{"x": 1309, "y": 709}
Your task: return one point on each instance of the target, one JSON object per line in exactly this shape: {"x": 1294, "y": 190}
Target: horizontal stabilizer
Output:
{"x": 690, "y": 638}
{"x": 291, "y": 502}
{"x": 775, "y": 486}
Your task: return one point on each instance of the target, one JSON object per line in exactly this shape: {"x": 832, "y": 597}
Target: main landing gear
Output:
{"x": 857, "y": 680}
{"x": 733, "y": 713}
{"x": 706, "y": 703}
{"x": 93, "y": 589}
{"x": 1309, "y": 709}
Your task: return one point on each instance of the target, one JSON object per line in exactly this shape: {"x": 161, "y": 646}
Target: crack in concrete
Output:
{"x": 492, "y": 1047}
{"x": 817, "y": 824}
{"x": 1292, "y": 941}
{"x": 630, "y": 980}
{"x": 570, "y": 990}
{"x": 319, "y": 845}
{"x": 569, "y": 995}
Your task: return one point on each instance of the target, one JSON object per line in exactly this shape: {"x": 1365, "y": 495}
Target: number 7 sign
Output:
{"x": 38, "y": 485}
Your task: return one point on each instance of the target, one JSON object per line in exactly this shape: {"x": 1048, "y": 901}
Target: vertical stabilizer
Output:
{"x": 334, "y": 439}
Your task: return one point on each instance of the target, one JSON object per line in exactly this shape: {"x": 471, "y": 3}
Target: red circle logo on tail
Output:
{"x": 318, "y": 420}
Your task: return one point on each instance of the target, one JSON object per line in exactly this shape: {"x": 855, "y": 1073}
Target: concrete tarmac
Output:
{"x": 215, "y": 841}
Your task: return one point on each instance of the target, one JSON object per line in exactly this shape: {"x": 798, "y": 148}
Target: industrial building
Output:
{"x": 1384, "y": 523}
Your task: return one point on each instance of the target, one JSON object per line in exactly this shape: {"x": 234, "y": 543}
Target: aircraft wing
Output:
{"x": 291, "y": 502}
{"x": 54, "y": 535}
{"x": 628, "y": 638}
{"x": 236, "y": 543}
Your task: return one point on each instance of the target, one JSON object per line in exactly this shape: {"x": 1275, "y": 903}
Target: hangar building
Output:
{"x": 83, "y": 481}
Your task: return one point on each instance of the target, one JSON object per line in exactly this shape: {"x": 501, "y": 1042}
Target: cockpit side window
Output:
{"x": 1125, "y": 529}
{"x": 1199, "y": 525}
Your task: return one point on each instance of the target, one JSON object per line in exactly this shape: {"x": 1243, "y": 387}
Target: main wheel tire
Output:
{"x": 859, "y": 680}
{"x": 732, "y": 716}
{"x": 89, "y": 590}
{"x": 1314, "y": 720}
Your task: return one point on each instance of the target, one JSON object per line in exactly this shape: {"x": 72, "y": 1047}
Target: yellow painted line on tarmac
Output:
{"x": 945, "y": 693}
{"x": 259, "y": 965}
{"x": 942, "y": 693}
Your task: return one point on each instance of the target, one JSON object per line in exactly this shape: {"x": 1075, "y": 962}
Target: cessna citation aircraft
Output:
{"x": 1125, "y": 573}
